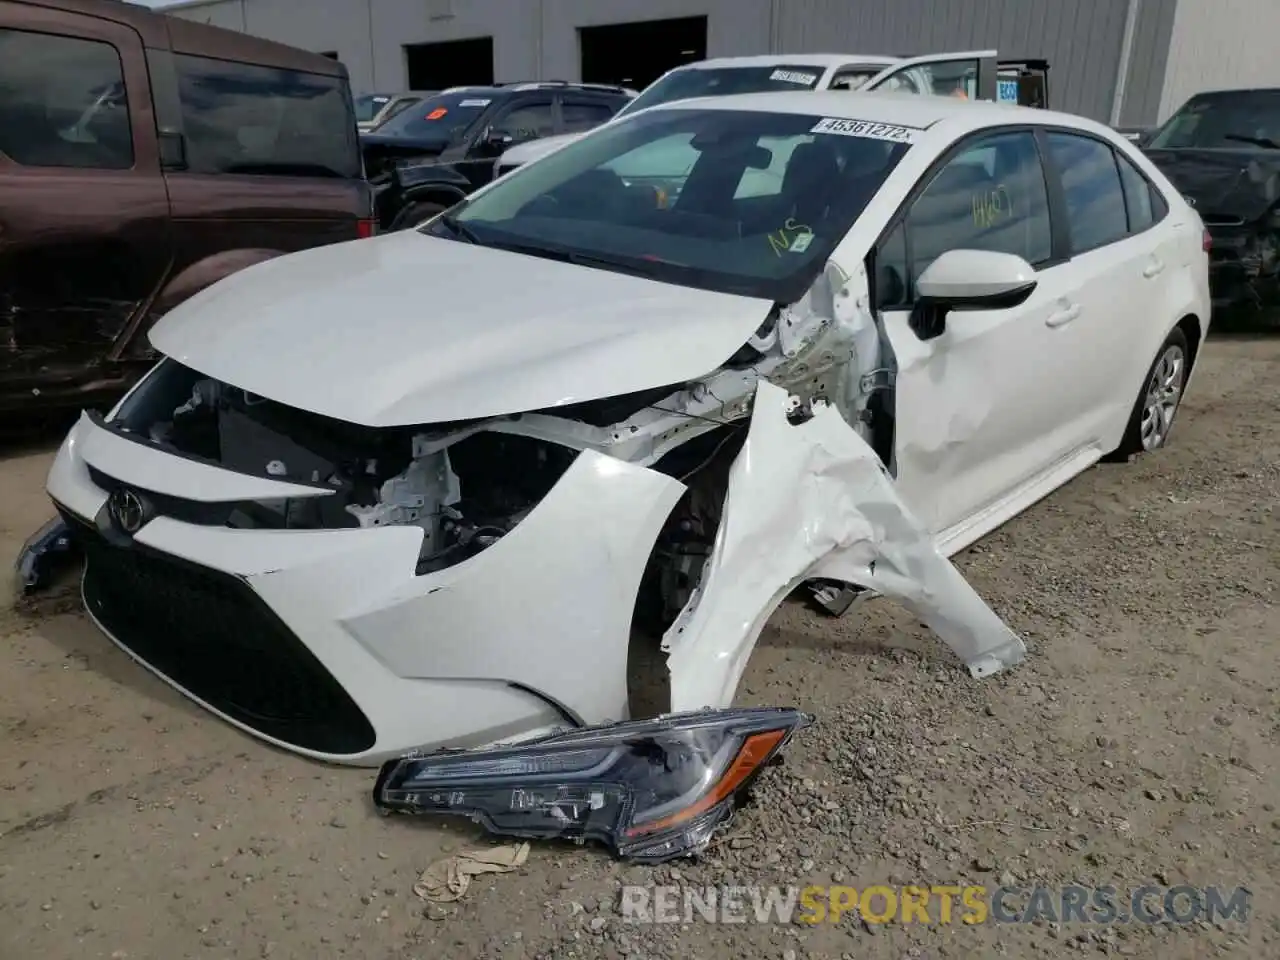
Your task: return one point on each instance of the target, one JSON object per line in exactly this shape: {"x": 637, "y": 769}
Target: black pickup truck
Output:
{"x": 428, "y": 157}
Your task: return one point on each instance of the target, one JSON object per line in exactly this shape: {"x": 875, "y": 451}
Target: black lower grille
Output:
{"x": 211, "y": 634}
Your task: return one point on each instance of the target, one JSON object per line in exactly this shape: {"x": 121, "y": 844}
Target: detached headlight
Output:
{"x": 651, "y": 789}
{"x": 42, "y": 557}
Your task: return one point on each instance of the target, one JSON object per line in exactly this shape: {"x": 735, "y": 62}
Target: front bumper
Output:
{"x": 328, "y": 644}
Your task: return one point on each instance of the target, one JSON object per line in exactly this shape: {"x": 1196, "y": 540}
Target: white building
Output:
{"x": 1123, "y": 61}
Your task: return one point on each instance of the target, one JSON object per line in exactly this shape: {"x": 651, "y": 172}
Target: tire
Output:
{"x": 414, "y": 214}
{"x": 1158, "y": 399}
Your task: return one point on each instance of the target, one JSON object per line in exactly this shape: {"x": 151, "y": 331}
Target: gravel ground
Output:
{"x": 1138, "y": 744}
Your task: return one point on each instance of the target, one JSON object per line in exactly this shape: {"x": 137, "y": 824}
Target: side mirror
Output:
{"x": 495, "y": 142}
{"x": 968, "y": 280}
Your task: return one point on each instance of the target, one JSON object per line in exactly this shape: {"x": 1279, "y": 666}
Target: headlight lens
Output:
{"x": 651, "y": 790}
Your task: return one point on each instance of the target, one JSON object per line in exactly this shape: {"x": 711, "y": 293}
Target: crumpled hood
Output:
{"x": 1241, "y": 184}
{"x": 408, "y": 329}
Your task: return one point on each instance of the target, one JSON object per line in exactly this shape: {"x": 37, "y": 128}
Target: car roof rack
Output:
{"x": 568, "y": 84}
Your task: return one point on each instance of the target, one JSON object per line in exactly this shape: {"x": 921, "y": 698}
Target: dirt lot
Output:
{"x": 1138, "y": 744}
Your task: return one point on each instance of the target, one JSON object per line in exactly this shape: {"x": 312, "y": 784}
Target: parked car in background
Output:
{"x": 1222, "y": 150}
{"x": 1136, "y": 135}
{"x": 373, "y": 109}
{"x": 571, "y": 411}
{"x": 143, "y": 158}
{"x": 975, "y": 74}
{"x": 429, "y": 157}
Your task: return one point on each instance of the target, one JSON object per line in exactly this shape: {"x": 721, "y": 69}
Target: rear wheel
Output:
{"x": 414, "y": 214}
{"x": 1157, "y": 404}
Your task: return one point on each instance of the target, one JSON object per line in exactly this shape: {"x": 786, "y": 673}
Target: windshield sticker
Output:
{"x": 436, "y": 114}
{"x": 793, "y": 237}
{"x": 475, "y": 103}
{"x": 794, "y": 76}
{"x": 801, "y": 243}
{"x": 864, "y": 128}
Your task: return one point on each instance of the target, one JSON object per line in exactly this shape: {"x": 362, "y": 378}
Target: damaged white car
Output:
{"x": 421, "y": 490}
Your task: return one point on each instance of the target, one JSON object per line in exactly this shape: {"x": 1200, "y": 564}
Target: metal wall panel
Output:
{"x": 734, "y": 27}
{"x": 1219, "y": 44}
{"x": 1081, "y": 39}
{"x": 1148, "y": 62}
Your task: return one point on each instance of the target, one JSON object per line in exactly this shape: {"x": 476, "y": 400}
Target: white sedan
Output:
{"x": 422, "y": 490}
{"x": 975, "y": 73}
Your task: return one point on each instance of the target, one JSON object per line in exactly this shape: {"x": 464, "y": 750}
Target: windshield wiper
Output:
{"x": 459, "y": 229}
{"x": 1264, "y": 142}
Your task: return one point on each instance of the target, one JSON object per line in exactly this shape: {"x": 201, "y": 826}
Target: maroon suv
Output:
{"x": 142, "y": 158}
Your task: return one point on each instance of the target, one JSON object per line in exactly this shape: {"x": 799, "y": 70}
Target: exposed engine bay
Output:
{"x": 468, "y": 484}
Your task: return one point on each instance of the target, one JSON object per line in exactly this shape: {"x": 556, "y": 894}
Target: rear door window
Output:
{"x": 531, "y": 120}
{"x": 579, "y": 116}
{"x": 1096, "y": 213}
{"x": 246, "y": 119}
{"x": 63, "y": 102}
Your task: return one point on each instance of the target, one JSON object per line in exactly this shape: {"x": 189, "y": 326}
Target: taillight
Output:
{"x": 1206, "y": 242}
{"x": 366, "y": 228}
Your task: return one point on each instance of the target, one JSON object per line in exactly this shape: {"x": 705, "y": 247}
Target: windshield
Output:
{"x": 367, "y": 107}
{"x": 1224, "y": 122}
{"x": 441, "y": 119}
{"x": 737, "y": 201}
{"x": 720, "y": 82}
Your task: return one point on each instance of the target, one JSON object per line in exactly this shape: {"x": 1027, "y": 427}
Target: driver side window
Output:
{"x": 989, "y": 196}
{"x": 529, "y": 121}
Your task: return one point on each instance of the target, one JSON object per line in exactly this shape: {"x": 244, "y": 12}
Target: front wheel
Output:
{"x": 1157, "y": 404}
{"x": 414, "y": 214}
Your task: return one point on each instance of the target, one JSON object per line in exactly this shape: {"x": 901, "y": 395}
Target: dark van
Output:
{"x": 142, "y": 158}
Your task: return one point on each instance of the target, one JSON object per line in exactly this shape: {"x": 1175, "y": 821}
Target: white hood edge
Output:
{"x": 410, "y": 329}
{"x": 537, "y": 149}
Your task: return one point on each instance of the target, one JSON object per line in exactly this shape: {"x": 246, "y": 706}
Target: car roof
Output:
{"x": 904, "y": 109}
{"x": 198, "y": 39}
{"x": 823, "y": 60}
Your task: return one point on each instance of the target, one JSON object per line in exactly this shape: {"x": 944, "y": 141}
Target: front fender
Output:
{"x": 813, "y": 501}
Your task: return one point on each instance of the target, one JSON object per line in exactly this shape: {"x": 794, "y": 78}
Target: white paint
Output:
{"x": 959, "y": 274}
{"x": 1002, "y": 408}
{"x": 813, "y": 501}
{"x": 459, "y": 331}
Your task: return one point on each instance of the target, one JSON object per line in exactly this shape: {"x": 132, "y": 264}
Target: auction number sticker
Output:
{"x": 474, "y": 103}
{"x": 793, "y": 76}
{"x": 865, "y": 128}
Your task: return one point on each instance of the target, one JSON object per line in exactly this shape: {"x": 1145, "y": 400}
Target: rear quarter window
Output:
{"x": 246, "y": 119}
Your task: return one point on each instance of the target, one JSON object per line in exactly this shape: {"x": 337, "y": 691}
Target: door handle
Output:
{"x": 1063, "y": 317}
{"x": 1153, "y": 269}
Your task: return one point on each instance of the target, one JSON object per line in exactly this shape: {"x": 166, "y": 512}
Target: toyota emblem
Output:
{"x": 128, "y": 510}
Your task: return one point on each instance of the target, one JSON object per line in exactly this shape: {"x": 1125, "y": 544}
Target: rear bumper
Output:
{"x": 327, "y": 643}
